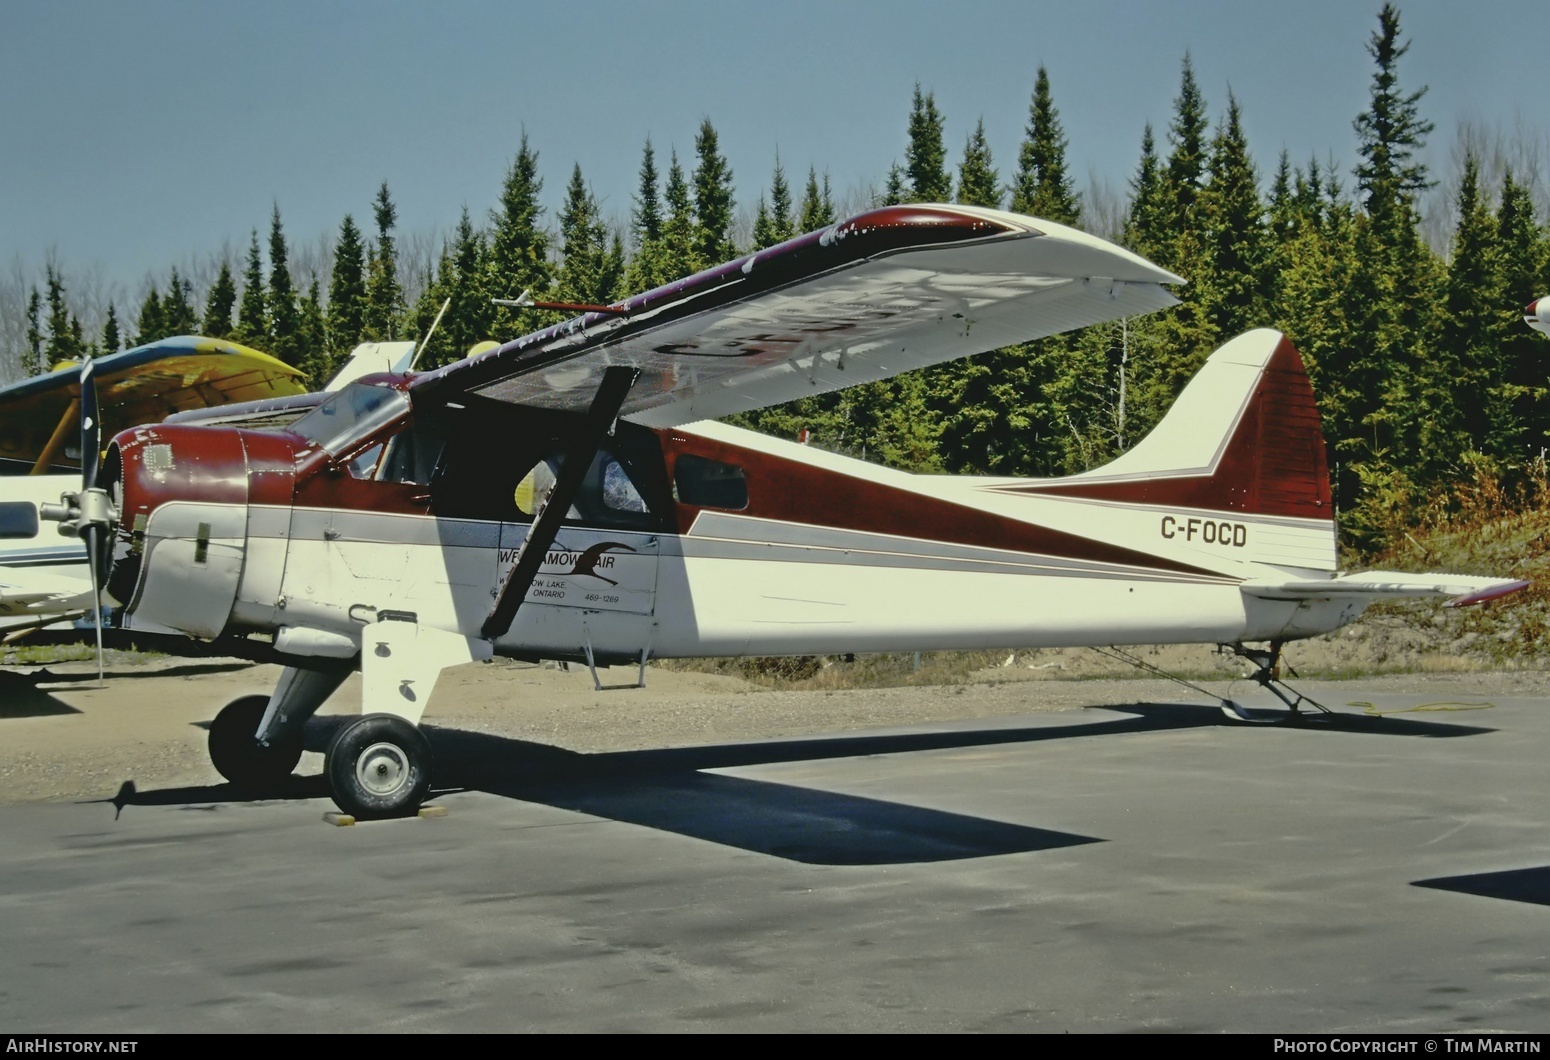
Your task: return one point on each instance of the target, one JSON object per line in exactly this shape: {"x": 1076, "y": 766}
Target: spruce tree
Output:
{"x": 470, "y": 313}
{"x": 1391, "y": 303}
{"x": 112, "y": 337}
{"x": 584, "y": 246}
{"x": 926, "y": 156}
{"x": 783, "y": 226}
{"x": 64, "y": 342}
{"x": 1466, "y": 407}
{"x": 978, "y": 182}
{"x": 177, "y": 307}
{"x": 1520, "y": 257}
{"x": 1390, "y": 132}
{"x": 1145, "y": 222}
{"x": 36, "y": 364}
{"x": 219, "y": 304}
{"x": 614, "y": 263}
{"x": 435, "y": 348}
{"x": 283, "y": 323}
{"x": 252, "y": 318}
{"x": 817, "y": 204}
{"x": 148, "y": 326}
{"x": 763, "y": 229}
{"x": 518, "y": 258}
{"x": 893, "y": 191}
{"x": 773, "y": 221}
{"x": 712, "y": 199}
{"x": 645, "y": 270}
{"x": 1187, "y": 160}
{"x": 311, "y": 341}
{"x": 384, "y": 294}
{"x": 1235, "y": 273}
{"x": 680, "y": 250}
{"x": 346, "y": 292}
{"x": 1043, "y": 186}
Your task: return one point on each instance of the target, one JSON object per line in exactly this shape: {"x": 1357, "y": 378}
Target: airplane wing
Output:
{"x": 885, "y": 292}
{"x": 142, "y": 385}
{"x": 25, "y": 592}
{"x": 1460, "y": 589}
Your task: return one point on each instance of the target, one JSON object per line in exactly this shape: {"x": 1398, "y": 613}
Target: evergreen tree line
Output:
{"x": 1423, "y": 368}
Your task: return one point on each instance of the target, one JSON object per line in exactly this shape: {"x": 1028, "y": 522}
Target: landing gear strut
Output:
{"x": 1267, "y": 674}
{"x": 240, "y": 758}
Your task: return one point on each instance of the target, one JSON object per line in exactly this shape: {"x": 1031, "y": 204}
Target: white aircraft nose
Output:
{"x": 1537, "y": 314}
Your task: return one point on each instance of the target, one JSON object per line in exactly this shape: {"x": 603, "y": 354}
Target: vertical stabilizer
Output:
{"x": 1243, "y": 437}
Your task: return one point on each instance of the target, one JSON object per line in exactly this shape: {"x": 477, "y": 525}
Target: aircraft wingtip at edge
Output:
{"x": 1490, "y": 592}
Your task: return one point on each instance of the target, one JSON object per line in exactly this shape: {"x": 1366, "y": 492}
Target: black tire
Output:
{"x": 379, "y": 765}
{"x": 239, "y": 757}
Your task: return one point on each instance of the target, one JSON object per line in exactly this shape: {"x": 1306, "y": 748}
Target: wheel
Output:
{"x": 378, "y": 766}
{"x": 239, "y": 757}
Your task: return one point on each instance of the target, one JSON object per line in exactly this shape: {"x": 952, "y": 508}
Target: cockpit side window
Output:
{"x": 503, "y": 465}
{"x": 412, "y": 454}
{"x": 351, "y": 416}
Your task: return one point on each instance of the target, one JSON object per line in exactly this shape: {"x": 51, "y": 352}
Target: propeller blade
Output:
{"x": 96, "y": 536}
{"x": 91, "y": 426}
{"x": 96, "y": 545}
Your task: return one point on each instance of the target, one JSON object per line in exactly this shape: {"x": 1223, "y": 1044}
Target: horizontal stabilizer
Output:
{"x": 1461, "y": 589}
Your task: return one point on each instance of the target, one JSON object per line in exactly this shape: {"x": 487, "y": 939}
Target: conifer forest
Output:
{"x": 1403, "y": 289}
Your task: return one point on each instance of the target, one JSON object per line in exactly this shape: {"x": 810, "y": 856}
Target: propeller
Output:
{"x": 88, "y": 514}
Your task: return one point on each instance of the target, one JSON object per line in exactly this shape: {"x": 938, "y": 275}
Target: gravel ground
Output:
{"x": 62, "y": 737}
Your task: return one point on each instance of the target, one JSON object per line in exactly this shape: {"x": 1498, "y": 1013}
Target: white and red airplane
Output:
{"x": 567, "y": 495}
{"x": 1537, "y": 314}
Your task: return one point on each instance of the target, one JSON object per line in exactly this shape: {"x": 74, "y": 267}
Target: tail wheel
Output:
{"x": 379, "y": 765}
{"x": 239, "y": 757}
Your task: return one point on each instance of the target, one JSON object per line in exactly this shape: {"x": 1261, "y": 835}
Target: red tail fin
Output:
{"x": 1244, "y": 436}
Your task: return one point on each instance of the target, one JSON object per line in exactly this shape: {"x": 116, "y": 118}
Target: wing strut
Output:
{"x": 610, "y": 396}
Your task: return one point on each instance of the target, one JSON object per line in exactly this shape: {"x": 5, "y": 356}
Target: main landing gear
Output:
{"x": 379, "y": 765}
{"x": 240, "y": 758}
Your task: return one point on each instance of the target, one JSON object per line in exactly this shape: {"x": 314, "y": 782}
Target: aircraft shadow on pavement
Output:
{"x": 671, "y": 790}
{"x": 89, "y": 680}
{"x": 1515, "y": 885}
{"x": 20, "y": 697}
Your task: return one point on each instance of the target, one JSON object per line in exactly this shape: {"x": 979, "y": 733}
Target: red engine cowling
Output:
{"x": 183, "y": 493}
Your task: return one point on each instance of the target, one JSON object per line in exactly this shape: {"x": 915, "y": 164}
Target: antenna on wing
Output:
{"x": 525, "y": 301}
{"x": 427, "y": 340}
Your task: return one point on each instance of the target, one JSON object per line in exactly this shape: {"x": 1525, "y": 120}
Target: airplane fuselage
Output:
{"x": 692, "y": 541}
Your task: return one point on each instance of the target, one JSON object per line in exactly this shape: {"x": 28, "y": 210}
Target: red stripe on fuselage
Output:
{"x": 794, "y": 492}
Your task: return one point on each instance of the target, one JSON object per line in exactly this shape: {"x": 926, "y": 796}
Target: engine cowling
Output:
{"x": 182, "y": 536}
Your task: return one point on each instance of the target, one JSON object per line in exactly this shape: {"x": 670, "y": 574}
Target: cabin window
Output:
{"x": 366, "y": 463}
{"x": 709, "y": 483}
{"x": 18, "y": 519}
{"x": 536, "y": 486}
{"x": 619, "y": 493}
{"x": 412, "y": 454}
{"x": 502, "y": 464}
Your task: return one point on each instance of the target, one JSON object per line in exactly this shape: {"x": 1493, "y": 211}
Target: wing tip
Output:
{"x": 1494, "y": 591}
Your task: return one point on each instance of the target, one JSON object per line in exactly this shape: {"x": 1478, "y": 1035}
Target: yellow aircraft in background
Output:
{"x": 43, "y": 577}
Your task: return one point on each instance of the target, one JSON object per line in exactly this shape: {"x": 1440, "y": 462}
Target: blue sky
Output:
{"x": 137, "y": 135}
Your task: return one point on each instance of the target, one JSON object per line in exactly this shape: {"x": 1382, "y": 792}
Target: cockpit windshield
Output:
{"x": 350, "y": 416}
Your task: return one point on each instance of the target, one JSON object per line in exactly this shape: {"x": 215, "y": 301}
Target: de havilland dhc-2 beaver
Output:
{"x": 569, "y": 495}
